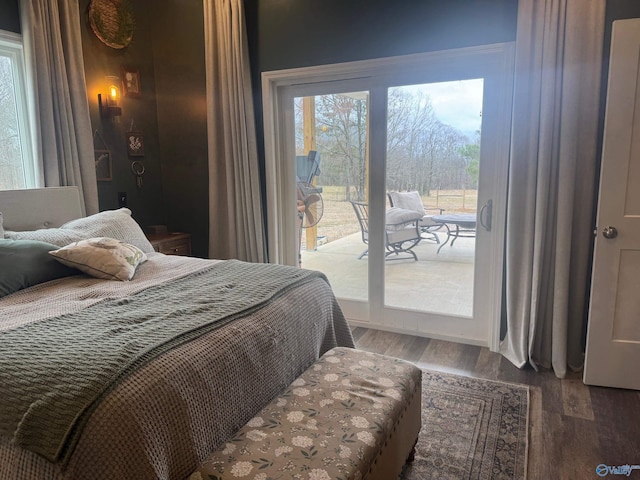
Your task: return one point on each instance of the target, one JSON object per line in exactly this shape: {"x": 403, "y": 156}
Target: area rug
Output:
{"x": 471, "y": 429}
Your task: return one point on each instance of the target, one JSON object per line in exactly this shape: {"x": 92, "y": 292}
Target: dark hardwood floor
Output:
{"x": 573, "y": 428}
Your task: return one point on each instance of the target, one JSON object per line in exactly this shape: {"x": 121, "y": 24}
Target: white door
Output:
{"x": 613, "y": 341}
{"x": 372, "y": 291}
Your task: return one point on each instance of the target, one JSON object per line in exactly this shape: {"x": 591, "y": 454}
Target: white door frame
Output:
{"x": 494, "y": 63}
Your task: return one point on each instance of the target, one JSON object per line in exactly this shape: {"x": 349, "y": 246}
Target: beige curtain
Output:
{"x": 552, "y": 181}
{"x": 52, "y": 37}
{"x": 235, "y": 214}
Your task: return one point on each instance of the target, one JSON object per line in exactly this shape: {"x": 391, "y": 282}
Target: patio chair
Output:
{"x": 413, "y": 201}
{"x": 402, "y": 232}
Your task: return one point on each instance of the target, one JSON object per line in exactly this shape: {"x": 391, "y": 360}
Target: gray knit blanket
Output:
{"x": 53, "y": 373}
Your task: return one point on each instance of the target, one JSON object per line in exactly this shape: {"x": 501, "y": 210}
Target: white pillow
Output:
{"x": 408, "y": 200}
{"x": 116, "y": 224}
{"x": 102, "y": 257}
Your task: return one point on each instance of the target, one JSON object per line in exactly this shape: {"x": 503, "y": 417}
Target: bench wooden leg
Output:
{"x": 412, "y": 453}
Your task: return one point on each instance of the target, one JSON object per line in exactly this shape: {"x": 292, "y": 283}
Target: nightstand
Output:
{"x": 171, "y": 243}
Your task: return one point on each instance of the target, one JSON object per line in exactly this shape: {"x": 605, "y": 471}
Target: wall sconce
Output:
{"x": 109, "y": 105}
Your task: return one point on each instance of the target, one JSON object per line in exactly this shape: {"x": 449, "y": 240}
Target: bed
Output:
{"x": 165, "y": 366}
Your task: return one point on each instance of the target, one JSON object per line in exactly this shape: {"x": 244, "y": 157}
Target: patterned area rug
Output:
{"x": 471, "y": 429}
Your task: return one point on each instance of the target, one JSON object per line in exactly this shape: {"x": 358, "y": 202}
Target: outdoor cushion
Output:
{"x": 397, "y": 216}
{"x": 408, "y": 200}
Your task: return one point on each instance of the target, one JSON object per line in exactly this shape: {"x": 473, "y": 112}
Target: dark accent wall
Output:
{"x": 291, "y": 33}
{"x": 10, "y": 16}
{"x": 168, "y": 50}
{"x": 138, "y": 114}
{"x": 178, "y": 50}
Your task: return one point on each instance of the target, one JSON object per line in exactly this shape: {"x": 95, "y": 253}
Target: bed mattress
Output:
{"x": 168, "y": 415}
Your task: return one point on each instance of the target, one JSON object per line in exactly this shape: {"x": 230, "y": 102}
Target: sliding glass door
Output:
{"x": 398, "y": 172}
{"x": 432, "y": 166}
{"x": 331, "y": 144}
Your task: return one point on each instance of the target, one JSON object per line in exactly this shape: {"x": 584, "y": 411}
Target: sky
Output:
{"x": 457, "y": 103}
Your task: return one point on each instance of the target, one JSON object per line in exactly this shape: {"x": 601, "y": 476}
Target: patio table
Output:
{"x": 465, "y": 226}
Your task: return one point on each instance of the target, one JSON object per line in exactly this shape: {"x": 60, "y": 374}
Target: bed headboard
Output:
{"x": 36, "y": 208}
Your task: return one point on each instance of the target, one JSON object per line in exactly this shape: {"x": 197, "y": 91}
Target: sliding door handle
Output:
{"x": 485, "y": 215}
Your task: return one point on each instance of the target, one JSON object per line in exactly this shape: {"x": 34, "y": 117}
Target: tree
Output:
{"x": 471, "y": 153}
{"x": 411, "y": 123}
{"x": 11, "y": 173}
{"x": 341, "y": 122}
{"x": 422, "y": 152}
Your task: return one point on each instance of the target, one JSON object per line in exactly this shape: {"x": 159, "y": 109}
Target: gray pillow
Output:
{"x": 1, "y": 229}
{"x": 24, "y": 263}
{"x": 55, "y": 236}
{"x": 116, "y": 224}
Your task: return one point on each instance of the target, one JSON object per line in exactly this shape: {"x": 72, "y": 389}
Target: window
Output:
{"x": 17, "y": 166}
{"x": 397, "y": 86}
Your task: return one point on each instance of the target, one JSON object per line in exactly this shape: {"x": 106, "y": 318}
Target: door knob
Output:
{"x": 609, "y": 232}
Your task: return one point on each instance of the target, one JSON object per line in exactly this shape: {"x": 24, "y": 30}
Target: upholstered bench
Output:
{"x": 351, "y": 415}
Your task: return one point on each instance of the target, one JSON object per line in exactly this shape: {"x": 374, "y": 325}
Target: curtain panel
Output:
{"x": 53, "y": 44}
{"x": 552, "y": 185}
{"x": 236, "y": 227}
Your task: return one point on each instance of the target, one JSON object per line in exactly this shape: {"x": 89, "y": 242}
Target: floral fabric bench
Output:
{"x": 351, "y": 415}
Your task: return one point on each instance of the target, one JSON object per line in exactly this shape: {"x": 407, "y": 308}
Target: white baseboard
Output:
{"x": 417, "y": 333}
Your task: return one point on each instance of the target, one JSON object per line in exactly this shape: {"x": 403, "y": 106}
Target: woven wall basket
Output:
{"x": 112, "y": 21}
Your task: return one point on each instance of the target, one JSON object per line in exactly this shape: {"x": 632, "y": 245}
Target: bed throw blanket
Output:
{"x": 53, "y": 373}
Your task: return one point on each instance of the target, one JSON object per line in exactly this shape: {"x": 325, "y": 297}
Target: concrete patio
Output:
{"x": 438, "y": 282}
